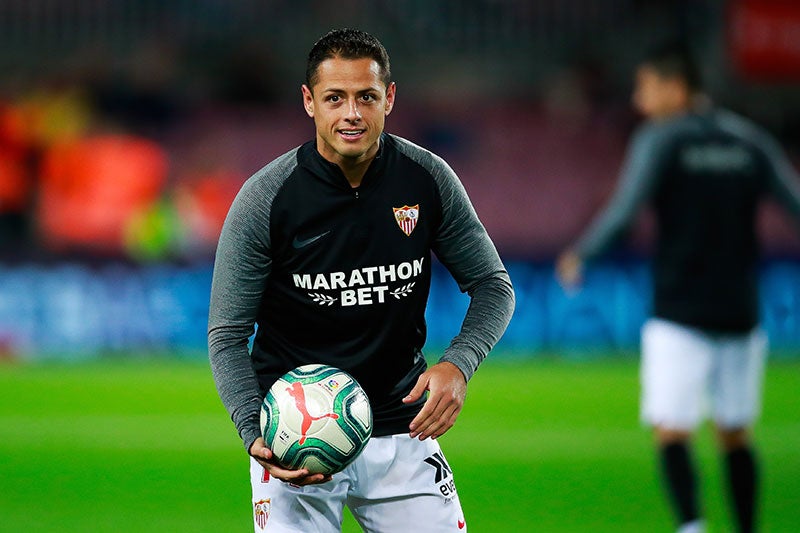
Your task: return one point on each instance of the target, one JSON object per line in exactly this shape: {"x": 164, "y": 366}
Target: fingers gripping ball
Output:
{"x": 316, "y": 417}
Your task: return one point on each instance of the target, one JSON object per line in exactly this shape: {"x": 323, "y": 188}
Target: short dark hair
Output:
{"x": 674, "y": 60}
{"x": 347, "y": 44}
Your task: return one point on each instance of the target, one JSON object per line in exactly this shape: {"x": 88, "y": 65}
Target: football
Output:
{"x": 316, "y": 417}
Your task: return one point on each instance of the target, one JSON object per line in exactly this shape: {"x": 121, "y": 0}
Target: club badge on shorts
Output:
{"x": 261, "y": 509}
{"x": 407, "y": 217}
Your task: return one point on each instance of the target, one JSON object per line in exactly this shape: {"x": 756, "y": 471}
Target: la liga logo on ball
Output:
{"x": 316, "y": 417}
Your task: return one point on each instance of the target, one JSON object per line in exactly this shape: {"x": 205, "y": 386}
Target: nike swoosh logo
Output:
{"x": 297, "y": 243}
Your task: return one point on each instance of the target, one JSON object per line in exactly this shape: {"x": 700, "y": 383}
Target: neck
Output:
{"x": 701, "y": 102}
{"x": 354, "y": 170}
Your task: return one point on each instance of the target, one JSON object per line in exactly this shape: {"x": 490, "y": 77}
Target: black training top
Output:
{"x": 339, "y": 275}
{"x": 704, "y": 173}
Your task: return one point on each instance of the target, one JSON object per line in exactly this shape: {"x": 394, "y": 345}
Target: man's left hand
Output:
{"x": 447, "y": 389}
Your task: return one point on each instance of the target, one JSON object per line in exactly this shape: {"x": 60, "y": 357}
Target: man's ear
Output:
{"x": 390, "y": 93}
{"x": 308, "y": 100}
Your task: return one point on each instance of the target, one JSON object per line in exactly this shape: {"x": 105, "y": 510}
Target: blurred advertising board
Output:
{"x": 764, "y": 39}
{"x": 75, "y": 311}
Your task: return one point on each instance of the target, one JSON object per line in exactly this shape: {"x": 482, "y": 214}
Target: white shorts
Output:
{"x": 688, "y": 375}
{"x": 397, "y": 484}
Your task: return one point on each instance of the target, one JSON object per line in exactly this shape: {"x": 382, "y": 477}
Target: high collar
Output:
{"x": 311, "y": 159}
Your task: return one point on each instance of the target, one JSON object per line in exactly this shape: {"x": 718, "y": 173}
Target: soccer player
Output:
{"x": 328, "y": 250}
{"x": 704, "y": 171}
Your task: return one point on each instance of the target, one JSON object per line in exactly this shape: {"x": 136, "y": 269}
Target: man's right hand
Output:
{"x": 569, "y": 270}
{"x": 263, "y": 455}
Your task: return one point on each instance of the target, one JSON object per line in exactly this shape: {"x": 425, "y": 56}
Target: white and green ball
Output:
{"x": 330, "y": 432}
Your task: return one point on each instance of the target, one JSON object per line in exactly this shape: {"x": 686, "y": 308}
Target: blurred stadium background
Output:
{"x": 127, "y": 126}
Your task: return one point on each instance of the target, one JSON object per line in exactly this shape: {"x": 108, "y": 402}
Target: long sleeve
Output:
{"x": 784, "y": 179}
{"x": 242, "y": 266}
{"x": 464, "y": 247}
{"x": 637, "y": 179}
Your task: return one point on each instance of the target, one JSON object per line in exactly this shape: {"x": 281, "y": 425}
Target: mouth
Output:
{"x": 352, "y": 134}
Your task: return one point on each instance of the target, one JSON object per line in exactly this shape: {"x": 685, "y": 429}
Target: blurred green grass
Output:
{"x": 543, "y": 444}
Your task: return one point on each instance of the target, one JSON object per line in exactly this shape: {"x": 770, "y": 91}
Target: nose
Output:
{"x": 353, "y": 113}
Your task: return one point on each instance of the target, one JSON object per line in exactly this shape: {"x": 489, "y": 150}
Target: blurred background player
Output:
{"x": 704, "y": 171}
{"x": 359, "y": 212}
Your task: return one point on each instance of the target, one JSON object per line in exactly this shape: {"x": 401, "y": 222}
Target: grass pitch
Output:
{"x": 542, "y": 445}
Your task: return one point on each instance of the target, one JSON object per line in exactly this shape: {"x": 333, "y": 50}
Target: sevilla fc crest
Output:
{"x": 261, "y": 510}
{"x": 407, "y": 217}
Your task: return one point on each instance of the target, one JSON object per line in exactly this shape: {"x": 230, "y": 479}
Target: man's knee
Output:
{"x": 731, "y": 439}
{"x": 666, "y": 436}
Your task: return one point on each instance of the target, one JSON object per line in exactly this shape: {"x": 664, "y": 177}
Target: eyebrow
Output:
{"x": 359, "y": 91}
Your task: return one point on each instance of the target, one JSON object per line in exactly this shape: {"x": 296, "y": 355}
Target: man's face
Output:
{"x": 349, "y": 104}
{"x": 657, "y": 97}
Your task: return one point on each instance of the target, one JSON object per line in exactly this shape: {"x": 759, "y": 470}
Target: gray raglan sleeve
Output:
{"x": 464, "y": 247}
{"x": 784, "y": 179}
{"x": 241, "y": 268}
{"x": 637, "y": 179}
